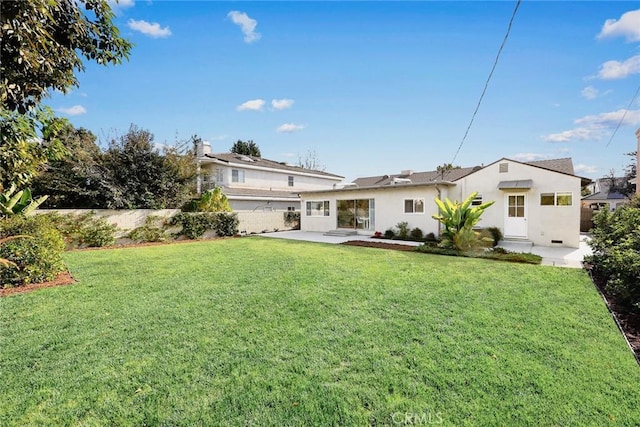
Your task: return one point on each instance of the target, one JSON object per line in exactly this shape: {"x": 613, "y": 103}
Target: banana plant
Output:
{"x": 459, "y": 219}
{"x": 18, "y": 203}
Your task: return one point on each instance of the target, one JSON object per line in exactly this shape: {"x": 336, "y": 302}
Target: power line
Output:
{"x": 495, "y": 63}
{"x": 623, "y": 116}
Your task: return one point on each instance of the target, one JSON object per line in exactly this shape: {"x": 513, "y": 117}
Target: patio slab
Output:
{"x": 554, "y": 256}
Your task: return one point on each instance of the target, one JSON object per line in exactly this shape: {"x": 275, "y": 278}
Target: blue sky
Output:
{"x": 375, "y": 87}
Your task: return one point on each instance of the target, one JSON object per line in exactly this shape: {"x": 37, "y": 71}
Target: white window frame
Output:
{"x": 319, "y": 211}
{"x": 556, "y": 195}
{"x": 237, "y": 176}
{"x": 477, "y": 201}
{"x": 413, "y": 206}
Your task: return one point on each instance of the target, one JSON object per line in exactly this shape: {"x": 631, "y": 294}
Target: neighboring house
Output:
{"x": 601, "y": 195}
{"x": 536, "y": 201}
{"x": 257, "y": 184}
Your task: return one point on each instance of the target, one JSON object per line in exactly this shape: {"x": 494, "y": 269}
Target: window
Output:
{"x": 218, "y": 175}
{"x": 290, "y": 181}
{"x": 237, "y": 175}
{"x": 318, "y": 208}
{"x": 556, "y": 199}
{"x": 291, "y": 208}
{"x": 504, "y": 167}
{"x": 413, "y": 205}
{"x": 477, "y": 201}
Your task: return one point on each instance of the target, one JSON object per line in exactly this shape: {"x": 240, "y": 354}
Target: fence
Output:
{"x": 127, "y": 220}
{"x": 586, "y": 219}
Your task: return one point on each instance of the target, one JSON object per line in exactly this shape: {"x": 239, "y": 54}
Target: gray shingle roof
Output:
{"x": 259, "y": 161}
{"x": 416, "y": 177}
{"x": 564, "y": 166}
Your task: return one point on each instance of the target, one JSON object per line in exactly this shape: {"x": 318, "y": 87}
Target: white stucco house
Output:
{"x": 536, "y": 201}
{"x": 258, "y": 184}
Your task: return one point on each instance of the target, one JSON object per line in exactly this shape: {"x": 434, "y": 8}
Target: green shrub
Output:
{"x": 495, "y": 253}
{"x": 226, "y": 224}
{"x": 292, "y": 219}
{"x": 213, "y": 200}
{"x": 84, "y": 230}
{"x": 389, "y": 233}
{"x": 458, "y": 220}
{"x": 153, "y": 230}
{"x": 194, "y": 225}
{"x": 430, "y": 237}
{"x": 496, "y": 234}
{"x": 403, "y": 230}
{"x": 37, "y": 258}
{"x": 416, "y": 234}
{"x": 616, "y": 253}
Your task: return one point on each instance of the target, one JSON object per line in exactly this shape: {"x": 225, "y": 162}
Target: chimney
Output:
{"x": 203, "y": 148}
{"x": 638, "y": 163}
{"x": 406, "y": 172}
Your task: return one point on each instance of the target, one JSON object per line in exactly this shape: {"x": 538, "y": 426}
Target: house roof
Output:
{"x": 564, "y": 166}
{"x": 257, "y": 194}
{"x": 416, "y": 177}
{"x": 252, "y": 161}
{"x": 605, "y": 193}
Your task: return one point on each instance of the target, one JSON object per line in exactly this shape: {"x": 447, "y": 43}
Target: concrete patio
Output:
{"x": 554, "y": 256}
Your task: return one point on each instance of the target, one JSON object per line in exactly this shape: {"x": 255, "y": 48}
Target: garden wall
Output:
{"x": 127, "y": 220}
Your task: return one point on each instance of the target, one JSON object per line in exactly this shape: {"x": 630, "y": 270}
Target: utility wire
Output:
{"x": 495, "y": 63}
{"x": 623, "y": 116}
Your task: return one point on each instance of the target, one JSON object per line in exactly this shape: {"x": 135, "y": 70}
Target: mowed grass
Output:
{"x": 258, "y": 331}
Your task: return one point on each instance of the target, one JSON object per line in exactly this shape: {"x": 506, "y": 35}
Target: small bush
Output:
{"x": 153, "y": 230}
{"x": 377, "y": 234}
{"x": 292, "y": 219}
{"x": 495, "y": 254}
{"x": 430, "y": 237}
{"x": 616, "y": 253}
{"x": 389, "y": 234}
{"x": 194, "y": 225}
{"x": 85, "y": 230}
{"x": 37, "y": 258}
{"x": 416, "y": 234}
{"x": 496, "y": 234}
{"x": 403, "y": 230}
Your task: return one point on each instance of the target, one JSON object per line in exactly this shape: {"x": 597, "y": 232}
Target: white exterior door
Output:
{"x": 515, "y": 216}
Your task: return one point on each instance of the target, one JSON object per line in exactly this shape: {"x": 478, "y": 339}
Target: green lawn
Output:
{"x": 258, "y": 331}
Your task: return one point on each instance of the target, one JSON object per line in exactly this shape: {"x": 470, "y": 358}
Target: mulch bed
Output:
{"x": 63, "y": 279}
{"x": 380, "y": 245}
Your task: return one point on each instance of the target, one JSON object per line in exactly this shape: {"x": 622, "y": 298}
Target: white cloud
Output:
{"x": 289, "y": 127}
{"x": 281, "y": 104}
{"x": 152, "y": 30}
{"x": 612, "y": 70}
{"x": 582, "y": 168}
{"x": 528, "y": 157}
{"x": 246, "y": 24}
{"x": 631, "y": 118}
{"x": 596, "y": 126}
{"x": 76, "y": 110}
{"x": 252, "y": 105}
{"x": 591, "y": 92}
{"x": 628, "y": 26}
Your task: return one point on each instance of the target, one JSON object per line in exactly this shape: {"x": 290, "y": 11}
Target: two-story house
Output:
{"x": 257, "y": 184}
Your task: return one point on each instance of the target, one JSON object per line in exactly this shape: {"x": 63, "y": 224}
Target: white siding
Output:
{"x": 389, "y": 208}
{"x": 544, "y": 223}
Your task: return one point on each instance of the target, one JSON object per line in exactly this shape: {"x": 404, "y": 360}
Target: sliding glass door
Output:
{"x": 356, "y": 214}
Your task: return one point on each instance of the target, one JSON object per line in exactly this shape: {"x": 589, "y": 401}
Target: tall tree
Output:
{"x": 78, "y": 180}
{"x": 311, "y": 161}
{"x": 43, "y": 42}
{"x": 248, "y": 148}
{"x": 623, "y": 185}
{"x": 147, "y": 178}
